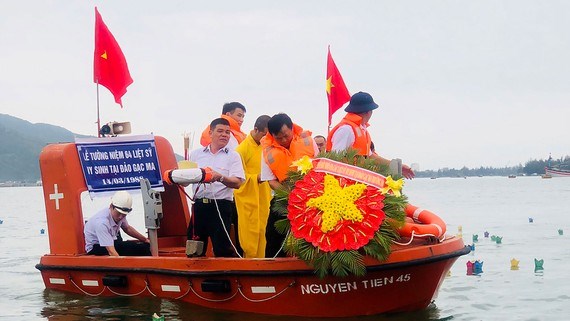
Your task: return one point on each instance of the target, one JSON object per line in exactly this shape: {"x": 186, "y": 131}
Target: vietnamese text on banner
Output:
{"x": 119, "y": 163}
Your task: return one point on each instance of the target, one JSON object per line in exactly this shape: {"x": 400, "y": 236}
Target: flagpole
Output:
{"x": 98, "y": 119}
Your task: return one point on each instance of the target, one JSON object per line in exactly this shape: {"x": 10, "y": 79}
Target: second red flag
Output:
{"x": 337, "y": 92}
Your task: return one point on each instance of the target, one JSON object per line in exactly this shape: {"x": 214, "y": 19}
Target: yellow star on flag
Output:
{"x": 329, "y": 85}
{"x": 104, "y": 55}
{"x": 337, "y": 203}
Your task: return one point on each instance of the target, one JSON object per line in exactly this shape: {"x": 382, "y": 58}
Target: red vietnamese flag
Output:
{"x": 109, "y": 65}
{"x": 336, "y": 89}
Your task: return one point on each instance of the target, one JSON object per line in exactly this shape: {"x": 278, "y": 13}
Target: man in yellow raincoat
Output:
{"x": 253, "y": 197}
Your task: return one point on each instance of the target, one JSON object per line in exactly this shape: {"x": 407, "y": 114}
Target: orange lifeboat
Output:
{"x": 422, "y": 222}
{"x": 407, "y": 280}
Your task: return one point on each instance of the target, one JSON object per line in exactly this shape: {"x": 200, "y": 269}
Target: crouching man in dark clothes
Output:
{"x": 102, "y": 230}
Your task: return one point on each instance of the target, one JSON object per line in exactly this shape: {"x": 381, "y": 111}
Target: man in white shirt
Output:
{"x": 102, "y": 230}
{"x": 213, "y": 207}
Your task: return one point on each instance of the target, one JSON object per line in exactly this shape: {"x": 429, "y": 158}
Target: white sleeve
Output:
{"x": 236, "y": 165}
{"x": 266, "y": 173}
{"x": 343, "y": 138}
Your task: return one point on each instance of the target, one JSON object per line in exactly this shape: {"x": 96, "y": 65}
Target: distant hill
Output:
{"x": 21, "y": 143}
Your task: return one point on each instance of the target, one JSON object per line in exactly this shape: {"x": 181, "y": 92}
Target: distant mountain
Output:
{"x": 21, "y": 143}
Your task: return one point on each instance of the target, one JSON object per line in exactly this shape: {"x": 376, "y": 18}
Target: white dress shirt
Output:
{"x": 226, "y": 162}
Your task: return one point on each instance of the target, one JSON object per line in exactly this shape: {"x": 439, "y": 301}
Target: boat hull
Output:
{"x": 407, "y": 281}
{"x": 557, "y": 173}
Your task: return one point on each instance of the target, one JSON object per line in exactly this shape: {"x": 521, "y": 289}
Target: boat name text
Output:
{"x": 331, "y": 288}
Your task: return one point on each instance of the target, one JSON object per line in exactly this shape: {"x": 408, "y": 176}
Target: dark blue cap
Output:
{"x": 361, "y": 102}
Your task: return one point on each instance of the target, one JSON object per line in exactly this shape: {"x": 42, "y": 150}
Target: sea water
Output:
{"x": 503, "y": 207}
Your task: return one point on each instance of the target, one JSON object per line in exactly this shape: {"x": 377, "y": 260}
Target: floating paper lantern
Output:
{"x": 469, "y": 268}
{"x": 514, "y": 264}
{"x": 538, "y": 265}
{"x": 486, "y": 234}
{"x": 530, "y": 220}
{"x": 478, "y": 267}
{"x": 475, "y": 238}
{"x": 499, "y": 239}
{"x": 560, "y": 231}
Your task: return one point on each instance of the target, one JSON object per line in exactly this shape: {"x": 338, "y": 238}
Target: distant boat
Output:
{"x": 546, "y": 176}
{"x": 556, "y": 172}
{"x": 433, "y": 177}
{"x": 512, "y": 176}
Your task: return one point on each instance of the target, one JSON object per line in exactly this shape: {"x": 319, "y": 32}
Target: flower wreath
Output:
{"x": 333, "y": 220}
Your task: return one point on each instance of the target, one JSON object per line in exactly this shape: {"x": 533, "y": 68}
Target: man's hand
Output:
{"x": 216, "y": 176}
{"x": 229, "y": 181}
{"x": 407, "y": 172}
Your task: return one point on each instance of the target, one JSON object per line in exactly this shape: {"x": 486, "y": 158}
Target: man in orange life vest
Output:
{"x": 234, "y": 113}
{"x": 284, "y": 143}
{"x": 351, "y": 131}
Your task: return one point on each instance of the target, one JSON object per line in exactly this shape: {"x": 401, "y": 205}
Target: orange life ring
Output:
{"x": 422, "y": 223}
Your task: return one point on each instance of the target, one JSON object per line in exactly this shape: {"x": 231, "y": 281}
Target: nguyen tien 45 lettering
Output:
{"x": 332, "y": 288}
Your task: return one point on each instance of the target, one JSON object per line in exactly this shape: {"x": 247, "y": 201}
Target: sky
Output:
{"x": 459, "y": 83}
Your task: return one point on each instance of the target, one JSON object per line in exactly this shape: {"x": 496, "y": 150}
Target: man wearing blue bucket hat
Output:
{"x": 351, "y": 131}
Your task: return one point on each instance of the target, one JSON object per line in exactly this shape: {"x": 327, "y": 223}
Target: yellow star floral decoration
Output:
{"x": 303, "y": 164}
{"x": 393, "y": 186}
{"x": 337, "y": 203}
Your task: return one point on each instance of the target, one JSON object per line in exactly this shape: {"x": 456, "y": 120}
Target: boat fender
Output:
{"x": 424, "y": 223}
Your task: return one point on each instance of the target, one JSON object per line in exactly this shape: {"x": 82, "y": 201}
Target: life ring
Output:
{"x": 422, "y": 223}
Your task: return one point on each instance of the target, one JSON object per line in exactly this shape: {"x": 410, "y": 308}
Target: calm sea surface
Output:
{"x": 502, "y": 206}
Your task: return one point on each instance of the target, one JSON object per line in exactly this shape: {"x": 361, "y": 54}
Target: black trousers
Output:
{"x": 274, "y": 239}
{"x": 236, "y": 231}
{"x": 206, "y": 224}
{"x": 124, "y": 248}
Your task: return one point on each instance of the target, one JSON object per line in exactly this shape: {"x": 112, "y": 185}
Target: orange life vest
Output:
{"x": 234, "y": 127}
{"x": 280, "y": 158}
{"x": 361, "y": 137}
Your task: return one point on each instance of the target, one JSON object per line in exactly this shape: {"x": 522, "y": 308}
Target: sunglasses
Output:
{"x": 125, "y": 209}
